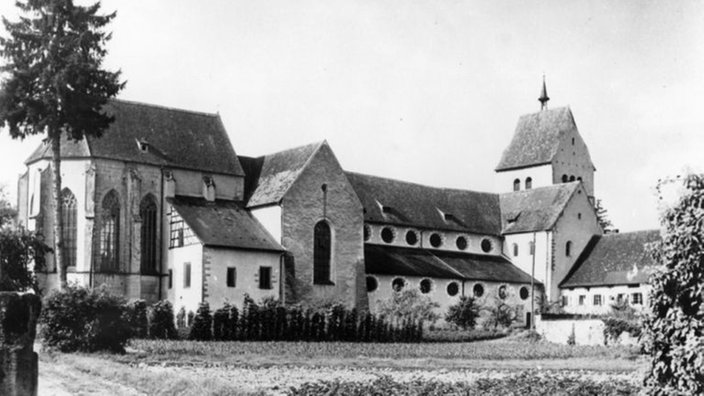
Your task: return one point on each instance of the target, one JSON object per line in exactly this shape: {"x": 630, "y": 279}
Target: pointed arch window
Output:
{"x": 110, "y": 232}
{"x": 148, "y": 214}
{"x": 321, "y": 253}
{"x": 529, "y": 183}
{"x": 69, "y": 227}
{"x": 517, "y": 185}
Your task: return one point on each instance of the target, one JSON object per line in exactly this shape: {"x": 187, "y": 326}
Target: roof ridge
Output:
{"x": 444, "y": 189}
{"x": 162, "y": 107}
{"x": 317, "y": 144}
{"x": 553, "y": 110}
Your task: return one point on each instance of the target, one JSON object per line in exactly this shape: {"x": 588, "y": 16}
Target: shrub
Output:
{"x": 572, "y": 338}
{"x": 161, "y": 323}
{"x": 81, "y": 319}
{"x": 181, "y": 318}
{"x": 136, "y": 318}
{"x": 501, "y": 315}
{"x": 673, "y": 329}
{"x": 18, "y": 250}
{"x": 463, "y": 314}
{"x": 409, "y": 304}
{"x": 202, "y": 322}
{"x": 220, "y": 323}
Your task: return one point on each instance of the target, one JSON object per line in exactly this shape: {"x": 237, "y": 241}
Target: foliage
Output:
{"x": 161, "y": 321}
{"x": 530, "y": 383}
{"x": 572, "y": 338}
{"x": 181, "y": 317}
{"x": 136, "y": 318}
{"x": 500, "y": 315}
{"x": 461, "y": 335}
{"x": 409, "y": 304}
{"x": 54, "y": 82}
{"x": 602, "y": 217}
{"x": 464, "y": 313}
{"x": 19, "y": 249}
{"x": 201, "y": 329}
{"x": 622, "y": 318}
{"x": 7, "y": 212}
{"x": 81, "y": 319}
{"x": 674, "y": 326}
{"x": 220, "y": 323}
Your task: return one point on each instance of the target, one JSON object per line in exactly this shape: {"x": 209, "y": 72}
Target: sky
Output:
{"x": 425, "y": 91}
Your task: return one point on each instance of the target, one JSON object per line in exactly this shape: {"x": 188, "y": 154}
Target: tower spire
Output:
{"x": 543, "y": 97}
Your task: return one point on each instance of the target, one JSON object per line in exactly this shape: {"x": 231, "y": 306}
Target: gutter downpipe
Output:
{"x": 161, "y": 235}
{"x": 532, "y": 286}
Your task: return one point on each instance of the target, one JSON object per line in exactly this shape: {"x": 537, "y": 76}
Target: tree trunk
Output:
{"x": 56, "y": 196}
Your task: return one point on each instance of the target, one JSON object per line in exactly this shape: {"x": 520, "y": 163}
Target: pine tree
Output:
{"x": 602, "y": 217}
{"x": 54, "y": 82}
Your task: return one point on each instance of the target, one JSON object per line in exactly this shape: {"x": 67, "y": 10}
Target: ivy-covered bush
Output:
{"x": 82, "y": 319}
{"x": 136, "y": 317}
{"x": 201, "y": 329}
{"x": 161, "y": 321}
{"x": 21, "y": 255}
{"x": 621, "y": 319}
{"x": 464, "y": 313}
{"x": 674, "y": 327}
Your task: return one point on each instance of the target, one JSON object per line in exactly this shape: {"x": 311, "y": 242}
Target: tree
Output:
{"x": 410, "y": 305}
{"x": 18, "y": 250}
{"x": 54, "y": 82}
{"x": 464, "y": 313}
{"x": 602, "y": 216}
{"x": 7, "y": 211}
{"x": 673, "y": 331}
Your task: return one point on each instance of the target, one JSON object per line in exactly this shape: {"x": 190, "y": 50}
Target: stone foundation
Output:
{"x": 18, "y": 361}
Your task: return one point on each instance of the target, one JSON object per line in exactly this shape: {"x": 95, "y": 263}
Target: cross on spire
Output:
{"x": 544, "y": 96}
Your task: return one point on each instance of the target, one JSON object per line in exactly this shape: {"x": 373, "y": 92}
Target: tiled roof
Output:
{"x": 175, "y": 138}
{"x": 224, "y": 224}
{"x": 392, "y": 260}
{"x": 268, "y": 178}
{"x": 537, "y": 138}
{"x": 613, "y": 259}
{"x": 536, "y": 209}
{"x": 408, "y": 204}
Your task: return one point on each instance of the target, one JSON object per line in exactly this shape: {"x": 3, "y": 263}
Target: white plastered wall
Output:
{"x": 541, "y": 175}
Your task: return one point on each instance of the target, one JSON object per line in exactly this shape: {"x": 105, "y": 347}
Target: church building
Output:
{"x": 162, "y": 207}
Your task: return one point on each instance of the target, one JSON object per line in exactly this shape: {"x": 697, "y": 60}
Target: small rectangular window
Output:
{"x": 597, "y": 299}
{"x": 187, "y": 275}
{"x": 531, "y": 248}
{"x": 620, "y": 298}
{"x": 637, "y": 298}
{"x": 265, "y": 278}
{"x": 231, "y": 276}
{"x": 582, "y": 299}
{"x": 565, "y": 301}
{"x": 171, "y": 278}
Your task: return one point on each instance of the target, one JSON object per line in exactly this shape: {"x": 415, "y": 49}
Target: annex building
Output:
{"x": 162, "y": 207}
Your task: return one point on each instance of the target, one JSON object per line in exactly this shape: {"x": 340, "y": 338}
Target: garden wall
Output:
{"x": 587, "y": 331}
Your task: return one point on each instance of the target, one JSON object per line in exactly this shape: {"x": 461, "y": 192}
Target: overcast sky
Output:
{"x": 426, "y": 91}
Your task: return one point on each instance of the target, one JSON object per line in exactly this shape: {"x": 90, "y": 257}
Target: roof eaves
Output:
{"x": 213, "y": 245}
{"x": 510, "y": 168}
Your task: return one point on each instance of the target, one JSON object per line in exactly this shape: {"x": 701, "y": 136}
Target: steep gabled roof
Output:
{"x": 170, "y": 137}
{"x": 224, "y": 224}
{"x": 535, "y": 210}
{"x": 537, "y": 138}
{"x": 408, "y": 204}
{"x": 614, "y": 259}
{"x": 269, "y": 177}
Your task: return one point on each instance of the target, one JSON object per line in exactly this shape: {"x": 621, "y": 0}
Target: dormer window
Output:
{"x": 143, "y": 145}
{"x": 513, "y": 217}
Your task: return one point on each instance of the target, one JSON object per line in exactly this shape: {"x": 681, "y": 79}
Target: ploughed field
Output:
{"x": 500, "y": 367}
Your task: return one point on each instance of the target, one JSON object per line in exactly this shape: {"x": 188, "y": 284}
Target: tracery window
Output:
{"x": 110, "y": 232}
{"x": 70, "y": 229}
{"x": 148, "y": 242}
{"x": 321, "y": 253}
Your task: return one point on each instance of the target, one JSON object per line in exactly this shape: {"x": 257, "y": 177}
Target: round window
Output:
{"x": 503, "y": 292}
{"x": 435, "y": 240}
{"x": 461, "y": 243}
{"x": 425, "y": 286}
{"x": 397, "y": 284}
{"x": 411, "y": 237}
{"x": 452, "y": 289}
{"x": 372, "y": 283}
{"x": 524, "y": 293}
{"x": 387, "y": 235}
{"x": 367, "y": 232}
{"x": 486, "y": 245}
{"x": 478, "y": 290}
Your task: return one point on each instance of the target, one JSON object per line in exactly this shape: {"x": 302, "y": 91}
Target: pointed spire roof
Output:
{"x": 543, "y": 96}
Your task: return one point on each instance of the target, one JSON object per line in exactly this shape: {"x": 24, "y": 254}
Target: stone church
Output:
{"x": 162, "y": 207}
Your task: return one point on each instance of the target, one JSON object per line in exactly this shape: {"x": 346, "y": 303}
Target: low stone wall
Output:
{"x": 18, "y": 361}
{"x": 587, "y": 331}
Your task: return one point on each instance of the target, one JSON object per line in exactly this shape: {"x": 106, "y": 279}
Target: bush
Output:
{"x": 409, "y": 304}
{"x": 220, "y": 323}
{"x": 88, "y": 320}
{"x": 463, "y": 314}
{"x": 161, "y": 323}
{"x": 202, "y": 324}
{"x": 674, "y": 327}
{"x": 181, "y": 318}
{"x": 500, "y": 315}
{"x": 136, "y": 318}
{"x": 18, "y": 250}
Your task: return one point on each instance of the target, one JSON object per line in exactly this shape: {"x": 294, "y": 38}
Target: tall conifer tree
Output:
{"x": 54, "y": 83}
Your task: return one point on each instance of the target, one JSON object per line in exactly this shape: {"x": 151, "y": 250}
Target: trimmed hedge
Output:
{"x": 161, "y": 324}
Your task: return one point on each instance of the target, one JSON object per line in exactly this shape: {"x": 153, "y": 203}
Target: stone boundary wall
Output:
{"x": 587, "y": 331}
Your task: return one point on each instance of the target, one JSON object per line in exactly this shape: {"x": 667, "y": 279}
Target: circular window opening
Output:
{"x": 503, "y": 292}
{"x": 461, "y": 243}
{"x": 367, "y": 232}
{"x": 486, "y": 245}
{"x": 478, "y": 290}
{"x": 372, "y": 284}
{"x": 524, "y": 293}
{"x": 397, "y": 284}
{"x": 387, "y": 235}
{"x": 435, "y": 240}
{"x": 452, "y": 289}
{"x": 425, "y": 286}
{"x": 411, "y": 238}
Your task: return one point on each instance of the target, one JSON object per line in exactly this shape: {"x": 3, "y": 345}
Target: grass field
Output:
{"x": 214, "y": 368}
